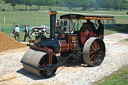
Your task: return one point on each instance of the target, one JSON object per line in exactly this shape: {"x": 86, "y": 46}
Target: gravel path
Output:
{"x": 116, "y": 57}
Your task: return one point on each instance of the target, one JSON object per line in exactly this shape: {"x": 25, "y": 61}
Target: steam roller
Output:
{"x": 82, "y": 45}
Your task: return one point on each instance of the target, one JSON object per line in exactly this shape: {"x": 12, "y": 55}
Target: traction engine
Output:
{"x": 41, "y": 58}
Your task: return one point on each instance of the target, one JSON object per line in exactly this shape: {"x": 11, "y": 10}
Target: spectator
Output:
{"x": 16, "y": 32}
{"x": 26, "y": 33}
{"x": 44, "y": 29}
{"x": 58, "y": 25}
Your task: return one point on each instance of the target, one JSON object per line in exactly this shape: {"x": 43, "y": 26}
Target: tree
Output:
{"x": 118, "y": 4}
{"x": 85, "y": 4}
{"x": 92, "y": 4}
{"x": 27, "y": 3}
{"x": 100, "y": 3}
{"x": 1, "y": 1}
{"x": 107, "y": 4}
{"x": 13, "y": 3}
{"x": 59, "y": 3}
{"x": 39, "y": 3}
{"x": 49, "y": 2}
{"x": 73, "y": 4}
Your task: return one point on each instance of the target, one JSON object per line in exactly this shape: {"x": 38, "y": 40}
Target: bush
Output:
{"x": 3, "y": 10}
{"x": 21, "y": 9}
{"x": 31, "y": 9}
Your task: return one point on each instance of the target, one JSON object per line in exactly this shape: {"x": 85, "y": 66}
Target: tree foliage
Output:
{"x": 72, "y": 4}
{"x": 13, "y": 2}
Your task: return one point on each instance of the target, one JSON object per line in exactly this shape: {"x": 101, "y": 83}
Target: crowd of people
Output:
{"x": 16, "y": 32}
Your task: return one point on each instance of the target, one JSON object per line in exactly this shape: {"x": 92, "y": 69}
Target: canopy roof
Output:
{"x": 79, "y": 16}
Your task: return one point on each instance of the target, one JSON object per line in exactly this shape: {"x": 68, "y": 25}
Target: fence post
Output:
{"x": 4, "y": 20}
{"x": 2, "y": 29}
{"x": 37, "y": 19}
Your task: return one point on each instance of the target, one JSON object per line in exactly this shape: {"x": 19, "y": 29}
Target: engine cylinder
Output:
{"x": 64, "y": 47}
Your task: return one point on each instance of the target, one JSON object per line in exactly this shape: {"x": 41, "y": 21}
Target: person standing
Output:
{"x": 17, "y": 32}
{"x": 44, "y": 29}
{"x": 100, "y": 29}
{"x": 26, "y": 33}
{"x": 58, "y": 25}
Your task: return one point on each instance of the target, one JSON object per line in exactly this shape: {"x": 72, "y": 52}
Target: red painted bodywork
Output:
{"x": 69, "y": 44}
{"x": 73, "y": 41}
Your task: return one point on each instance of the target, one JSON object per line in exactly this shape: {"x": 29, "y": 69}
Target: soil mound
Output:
{"x": 7, "y": 43}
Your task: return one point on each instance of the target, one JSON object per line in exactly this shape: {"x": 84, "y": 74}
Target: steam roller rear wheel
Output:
{"x": 34, "y": 59}
{"x": 94, "y": 51}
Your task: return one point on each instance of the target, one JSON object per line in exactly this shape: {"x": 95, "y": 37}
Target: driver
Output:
{"x": 100, "y": 28}
{"x": 91, "y": 23}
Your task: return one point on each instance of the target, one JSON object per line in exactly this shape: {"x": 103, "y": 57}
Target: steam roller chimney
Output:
{"x": 52, "y": 24}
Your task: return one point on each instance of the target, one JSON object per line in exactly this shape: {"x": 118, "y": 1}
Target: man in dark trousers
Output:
{"x": 26, "y": 33}
{"x": 17, "y": 32}
{"x": 100, "y": 28}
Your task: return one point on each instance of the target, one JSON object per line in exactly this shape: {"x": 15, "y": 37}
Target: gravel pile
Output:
{"x": 116, "y": 58}
{"x": 7, "y": 43}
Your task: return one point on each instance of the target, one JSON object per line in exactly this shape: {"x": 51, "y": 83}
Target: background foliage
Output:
{"x": 72, "y": 4}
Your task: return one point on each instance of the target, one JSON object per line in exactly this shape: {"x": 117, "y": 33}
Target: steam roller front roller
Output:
{"x": 94, "y": 51}
{"x": 34, "y": 59}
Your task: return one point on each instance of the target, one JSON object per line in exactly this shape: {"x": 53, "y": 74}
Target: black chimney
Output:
{"x": 52, "y": 24}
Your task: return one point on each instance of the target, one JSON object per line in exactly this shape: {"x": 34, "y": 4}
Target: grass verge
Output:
{"x": 126, "y": 40}
{"x": 119, "y": 77}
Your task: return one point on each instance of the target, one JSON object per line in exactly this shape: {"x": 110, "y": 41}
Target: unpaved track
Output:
{"x": 11, "y": 72}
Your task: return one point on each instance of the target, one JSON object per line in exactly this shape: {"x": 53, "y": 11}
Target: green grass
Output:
{"x": 108, "y": 32}
{"x": 23, "y": 17}
{"x": 119, "y": 77}
{"x": 37, "y": 18}
{"x": 126, "y": 40}
{"x": 117, "y": 28}
{"x": 32, "y": 18}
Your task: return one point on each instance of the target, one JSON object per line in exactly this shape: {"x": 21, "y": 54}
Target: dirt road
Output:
{"x": 12, "y": 72}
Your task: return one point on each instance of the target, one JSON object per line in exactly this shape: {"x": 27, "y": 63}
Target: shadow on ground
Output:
{"x": 30, "y": 75}
{"x": 66, "y": 64}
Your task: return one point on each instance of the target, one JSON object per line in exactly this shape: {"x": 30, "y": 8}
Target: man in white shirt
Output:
{"x": 17, "y": 32}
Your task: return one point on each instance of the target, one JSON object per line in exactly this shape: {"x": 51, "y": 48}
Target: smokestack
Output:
{"x": 52, "y": 23}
